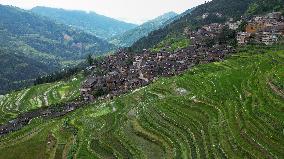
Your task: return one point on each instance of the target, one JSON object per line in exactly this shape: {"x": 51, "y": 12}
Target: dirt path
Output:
{"x": 276, "y": 89}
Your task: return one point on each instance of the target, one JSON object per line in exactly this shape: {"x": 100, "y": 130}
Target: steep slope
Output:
{"x": 31, "y": 45}
{"x": 11, "y": 105}
{"x": 264, "y": 6}
{"x": 131, "y": 36}
{"x": 229, "y": 109}
{"x": 101, "y": 26}
{"x": 217, "y": 10}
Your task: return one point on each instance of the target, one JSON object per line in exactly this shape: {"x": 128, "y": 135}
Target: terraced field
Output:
{"x": 38, "y": 96}
{"x": 230, "y": 109}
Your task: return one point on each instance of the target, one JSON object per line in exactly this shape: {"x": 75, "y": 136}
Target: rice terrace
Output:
{"x": 230, "y": 109}
{"x": 142, "y": 79}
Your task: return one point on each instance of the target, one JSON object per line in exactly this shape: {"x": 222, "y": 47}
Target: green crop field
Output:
{"x": 38, "y": 96}
{"x": 229, "y": 109}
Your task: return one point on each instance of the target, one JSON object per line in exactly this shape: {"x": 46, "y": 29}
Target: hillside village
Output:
{"x": 267, "y": 29}
{"x": 209, "y": 83}
{"x": 124, "y": 71}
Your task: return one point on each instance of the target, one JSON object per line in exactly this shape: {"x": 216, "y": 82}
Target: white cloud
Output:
{"x": 135, "y": 11}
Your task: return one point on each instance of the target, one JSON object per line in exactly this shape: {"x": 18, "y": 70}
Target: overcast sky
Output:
{"x": 134, "y": 11}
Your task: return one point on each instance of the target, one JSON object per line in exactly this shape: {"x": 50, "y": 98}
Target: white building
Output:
{"x": 243, "y": 37}
{"x": 267, "y": 38}
{"x": 205, "y": 15}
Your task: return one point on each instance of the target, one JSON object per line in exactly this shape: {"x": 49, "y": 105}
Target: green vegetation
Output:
{"x": 62, "y": 75}
{"x": 172, "y": 43}
{"x": 128, "y": 38}
{"x": 32, "y": 46}
{"x": 229, "y": 109}
{"x": 227, "y": 8}
{"x": 99, "y": 25}
{"x": 265, "y": 6}
{"x": 38, "y": 96}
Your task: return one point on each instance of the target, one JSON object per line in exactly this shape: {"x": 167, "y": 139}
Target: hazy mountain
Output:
{"x": 131, "y": 36}
{"x": 31, "y": 45}
{"x": 101, "y": 26}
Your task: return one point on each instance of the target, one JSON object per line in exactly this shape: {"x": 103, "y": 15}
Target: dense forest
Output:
{"x": 18, "y": 70}
{"x": 264, "y": 6}
{"x": 32, "y": 45}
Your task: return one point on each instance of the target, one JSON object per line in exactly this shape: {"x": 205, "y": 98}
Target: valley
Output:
{"x": 99, "y": 25}
{"x": 207, "y": 82}
{"x": 33, "y": 46}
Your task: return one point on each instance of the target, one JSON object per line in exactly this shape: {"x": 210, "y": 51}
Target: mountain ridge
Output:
{"x": 33, "y": 40}
{"x": 100, "y": 25}
{"x": 129, "y": 37}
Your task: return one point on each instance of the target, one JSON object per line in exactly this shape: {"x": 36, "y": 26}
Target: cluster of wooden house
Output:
{"x": 50, "y": 112}
{"x": 199, "y": 37}
{"x": 266, "y": 29}
{"x": 124, "y": 71}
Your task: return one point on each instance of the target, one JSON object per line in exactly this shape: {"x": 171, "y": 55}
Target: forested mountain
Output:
{"x": 31, "y": 45}
{"x": 264, "y": 6}
{"x": 131, "y": 36}
{"x": 101, "y": 26}
{"x": 225, "y": 8}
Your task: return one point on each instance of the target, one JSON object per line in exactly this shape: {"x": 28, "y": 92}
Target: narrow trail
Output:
{"x": 276, "y": 89}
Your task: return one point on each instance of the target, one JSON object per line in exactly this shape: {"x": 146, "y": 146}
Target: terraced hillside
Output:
{"x": 38, "y": 96}
{"x": 230, "y": 109}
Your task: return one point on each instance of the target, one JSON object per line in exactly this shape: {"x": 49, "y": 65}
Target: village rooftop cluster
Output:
{"x": 266, "y": 29}
{"x": 125, "y": 71}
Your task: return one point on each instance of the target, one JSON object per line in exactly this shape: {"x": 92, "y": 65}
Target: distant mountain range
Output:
{"x": 128, "y": 38}
{"x": 101, "y": 26}
{"x": 116, "y": 32}
{"x": 31, "y": 45}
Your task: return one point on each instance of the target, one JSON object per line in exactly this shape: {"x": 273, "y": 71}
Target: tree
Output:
{"x": 227, "y": 36}
{"x": 242, "y": 26}
{"x": 90, "y": 60}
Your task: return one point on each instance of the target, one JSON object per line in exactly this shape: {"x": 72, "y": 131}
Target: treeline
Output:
{"x": 60, "y": 75}
{"x": 69, "y": 72}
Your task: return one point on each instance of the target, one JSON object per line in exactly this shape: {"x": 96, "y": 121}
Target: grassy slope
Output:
{"x": 219, "y": 110}
{"x": 172, "y": 43}
{"x": 38, "y": 96}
